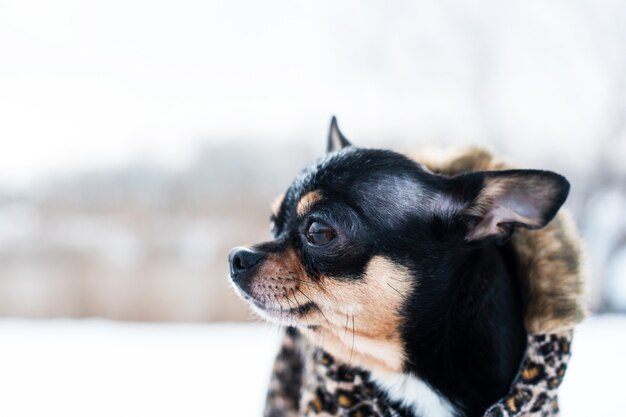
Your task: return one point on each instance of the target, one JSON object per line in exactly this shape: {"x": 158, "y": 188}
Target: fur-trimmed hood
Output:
{"x": 550, "y": 259}
{"x": 308, "y": 382}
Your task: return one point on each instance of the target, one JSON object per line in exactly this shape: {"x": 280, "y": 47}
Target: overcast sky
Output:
{"x": 99, "y": 83}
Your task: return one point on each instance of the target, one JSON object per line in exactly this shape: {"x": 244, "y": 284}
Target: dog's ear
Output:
{"x": 336, "y": 140}
{"x": 495, "y": 202}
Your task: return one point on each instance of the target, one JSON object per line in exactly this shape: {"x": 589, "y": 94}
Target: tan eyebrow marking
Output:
{"x": 278, "y": 201}
{"x": 307, "y": 201}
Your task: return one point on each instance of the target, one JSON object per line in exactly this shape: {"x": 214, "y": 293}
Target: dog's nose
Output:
{"x": 243, "y": 260}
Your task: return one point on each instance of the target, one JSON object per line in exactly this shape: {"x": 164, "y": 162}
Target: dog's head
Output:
{"x": 363, "y": 236}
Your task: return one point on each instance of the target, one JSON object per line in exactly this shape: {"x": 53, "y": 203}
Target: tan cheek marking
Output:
{"x": 278, "y": 201}
{"x": 307, "y": 201}
{"x": 375, "y": 304}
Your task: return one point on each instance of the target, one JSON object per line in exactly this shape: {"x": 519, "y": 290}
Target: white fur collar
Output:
{"x": 415, "y": 394}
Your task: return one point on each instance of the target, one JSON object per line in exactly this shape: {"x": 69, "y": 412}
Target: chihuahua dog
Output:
{"x": 401, "y": 272}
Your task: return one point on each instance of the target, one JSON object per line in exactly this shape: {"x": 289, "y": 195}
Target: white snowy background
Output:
{"x": 140, "y": 140}
{"x": 100, "y": 368}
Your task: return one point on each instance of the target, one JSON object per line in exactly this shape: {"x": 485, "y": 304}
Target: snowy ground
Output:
{"x": 99, "y": 368}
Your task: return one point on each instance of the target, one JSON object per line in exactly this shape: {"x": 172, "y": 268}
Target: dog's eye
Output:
{"x": 320, "y": 234}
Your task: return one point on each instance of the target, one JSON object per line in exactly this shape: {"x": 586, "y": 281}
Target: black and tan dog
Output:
{"x": 404, "y": 273}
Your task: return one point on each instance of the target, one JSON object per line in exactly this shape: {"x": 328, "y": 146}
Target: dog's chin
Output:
{"x": 286, "y": 317}
{"x": 288, "y": 314}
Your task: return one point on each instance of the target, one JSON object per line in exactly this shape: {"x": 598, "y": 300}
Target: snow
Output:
{"x": 102, "y": 368}
{"x": 594, "y": 384}
{"x": 99, "y": 368}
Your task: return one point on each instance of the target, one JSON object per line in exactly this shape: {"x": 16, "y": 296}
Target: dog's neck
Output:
{"x": 469, "y": 343}
{"x": 412, "y": 393}
{"x": 464, "y": 346}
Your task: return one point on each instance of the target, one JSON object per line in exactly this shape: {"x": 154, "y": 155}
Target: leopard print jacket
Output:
{"x": 307, "y": 381}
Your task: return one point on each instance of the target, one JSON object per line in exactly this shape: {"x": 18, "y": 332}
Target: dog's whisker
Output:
{"x": 306, "y": 315}
{"x": 311, "y": 301}
{"x": 353, "y": 336}
{"x": 395, "y": 289}
{"x": 296, "y": 280}
{"x": 295, "y": 298}
{"x": 290, "y": 307}
{"x": 318, "y": 309}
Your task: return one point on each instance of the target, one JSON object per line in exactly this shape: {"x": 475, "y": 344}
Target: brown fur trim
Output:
{"x": 550, "y": 259}
{"x": 453, "y": 161}
{"x": 550, "y": 262}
